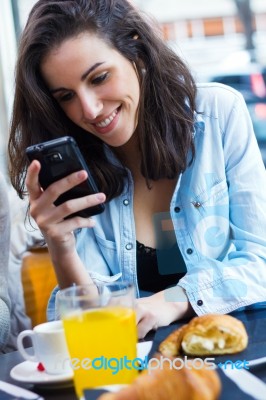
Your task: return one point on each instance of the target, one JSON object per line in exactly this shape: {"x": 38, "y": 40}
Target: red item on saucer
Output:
{"x": 40, "y": 367}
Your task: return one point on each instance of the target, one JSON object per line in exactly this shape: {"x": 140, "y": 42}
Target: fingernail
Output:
{"x": 92, "y": 222}
{"x": 81, "y": 174}
{"x": 100, "y": 196}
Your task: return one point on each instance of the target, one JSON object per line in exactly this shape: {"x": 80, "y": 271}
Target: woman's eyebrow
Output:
{"x": 92, "y": 68}
{"x": 83, "y": 76}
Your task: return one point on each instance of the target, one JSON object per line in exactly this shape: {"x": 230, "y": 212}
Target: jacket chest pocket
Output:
{"x": 212, "y": 201}
{"x": 109, "y": 252}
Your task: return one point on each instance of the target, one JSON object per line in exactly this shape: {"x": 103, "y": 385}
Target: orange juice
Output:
{"x": 99, "y": 341}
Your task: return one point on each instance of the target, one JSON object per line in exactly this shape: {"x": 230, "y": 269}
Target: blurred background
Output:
{"x": 221, "y": 40}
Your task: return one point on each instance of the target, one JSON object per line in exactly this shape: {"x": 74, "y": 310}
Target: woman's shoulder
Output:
{"x": 218, "y": 100}
{"x": 210, "y": 92}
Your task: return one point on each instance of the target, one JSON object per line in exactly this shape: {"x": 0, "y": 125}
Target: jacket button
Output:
{"x": 126, "y": 202}
{"x": 177, "y": 209}
{"x": 189, "y": 251}
{"x": 199, "y": 302}
{"x": 197, "y": 204}
{"x": 129, "y": 246}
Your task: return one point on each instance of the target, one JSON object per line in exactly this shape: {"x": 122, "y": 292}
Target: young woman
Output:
{"x": 177, "y": 165}
{"x": 4, "y": 254}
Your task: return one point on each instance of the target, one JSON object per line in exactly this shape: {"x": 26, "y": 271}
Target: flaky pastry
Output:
{"x": 211, "y": 334}
{"x": 171, "y": 384}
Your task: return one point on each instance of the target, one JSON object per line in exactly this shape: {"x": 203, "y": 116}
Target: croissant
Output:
{"x": 171, "y": 384}
{"x": 210, "y": 334}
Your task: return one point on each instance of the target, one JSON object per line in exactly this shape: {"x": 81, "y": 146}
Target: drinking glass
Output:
{"x": 101, "y": 334}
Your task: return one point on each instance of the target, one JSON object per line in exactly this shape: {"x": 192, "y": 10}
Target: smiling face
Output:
{"x": 97, "y": 88}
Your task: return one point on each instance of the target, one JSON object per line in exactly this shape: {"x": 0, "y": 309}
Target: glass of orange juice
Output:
{"x": 100, "y": 328}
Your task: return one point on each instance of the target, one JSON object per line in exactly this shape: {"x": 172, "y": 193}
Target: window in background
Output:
{"x": 13, "y": 17}
{"x": 8, "y": 48}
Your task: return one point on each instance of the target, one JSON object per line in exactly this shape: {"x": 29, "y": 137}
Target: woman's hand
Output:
{"x": 156, "y": 310}
{"x": 57, "y": 231}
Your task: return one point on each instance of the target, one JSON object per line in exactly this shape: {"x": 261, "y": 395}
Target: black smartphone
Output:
{"x": 59, "y": 158}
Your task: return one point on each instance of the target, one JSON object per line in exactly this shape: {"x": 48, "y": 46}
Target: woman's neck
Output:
{"x": 129, "y": 155}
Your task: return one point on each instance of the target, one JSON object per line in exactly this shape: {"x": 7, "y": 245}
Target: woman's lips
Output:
{"x": 104, "y": 123}
{"x": 108, "y": 124}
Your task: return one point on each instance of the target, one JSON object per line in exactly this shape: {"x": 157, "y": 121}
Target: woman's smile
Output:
{"x": 107, "y": 124}
{"x": 96, "y": 86}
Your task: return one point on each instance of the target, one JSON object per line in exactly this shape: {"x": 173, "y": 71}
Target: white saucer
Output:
{"x": 27, "y": 372}
{"x": 143, "y": 349}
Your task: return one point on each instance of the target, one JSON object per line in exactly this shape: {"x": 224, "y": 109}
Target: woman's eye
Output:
{"x": 65, "y": 97}
{"x": 100, "y": 78}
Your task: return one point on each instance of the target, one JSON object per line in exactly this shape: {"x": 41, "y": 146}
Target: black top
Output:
{"x": 159, "y": 269}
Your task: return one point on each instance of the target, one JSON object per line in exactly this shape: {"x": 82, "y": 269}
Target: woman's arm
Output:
{"x": 227, "y": 265}
{"x": 226, "y": 281}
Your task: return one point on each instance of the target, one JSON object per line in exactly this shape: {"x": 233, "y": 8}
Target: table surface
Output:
{"x": 9, "y": 360}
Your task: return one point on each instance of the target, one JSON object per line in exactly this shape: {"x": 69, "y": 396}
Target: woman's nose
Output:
{"x": 91, "y": 106}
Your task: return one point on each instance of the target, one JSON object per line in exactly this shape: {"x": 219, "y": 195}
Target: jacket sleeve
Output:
{"x": 238, "y": 278}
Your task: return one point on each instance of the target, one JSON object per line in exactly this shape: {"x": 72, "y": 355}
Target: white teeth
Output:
{"x": 107, "y": 121}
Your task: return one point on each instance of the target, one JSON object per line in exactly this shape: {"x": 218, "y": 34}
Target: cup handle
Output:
{"x": 21, "y": 347}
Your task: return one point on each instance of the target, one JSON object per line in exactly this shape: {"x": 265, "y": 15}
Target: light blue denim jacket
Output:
{"x": 218, "y": 210}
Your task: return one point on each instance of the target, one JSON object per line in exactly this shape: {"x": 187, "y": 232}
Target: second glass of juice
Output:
{"x": 101, "y": 334}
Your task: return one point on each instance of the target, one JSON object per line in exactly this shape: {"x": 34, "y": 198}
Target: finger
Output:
{"x": 145, "y": 326}
{"x": 80, "y": 203}
{"x": 61, "y": 186}
{"x": 58, "y": 213}
{"x": 146, "y": 321}
{"x": 64, "y": 227}
{"x": 32, "y": 180}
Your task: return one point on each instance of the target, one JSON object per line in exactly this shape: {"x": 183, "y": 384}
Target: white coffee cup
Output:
{"x": 49, "y": 347}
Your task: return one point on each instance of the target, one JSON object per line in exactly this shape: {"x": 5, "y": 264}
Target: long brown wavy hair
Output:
{"x": 167, "y": 91}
